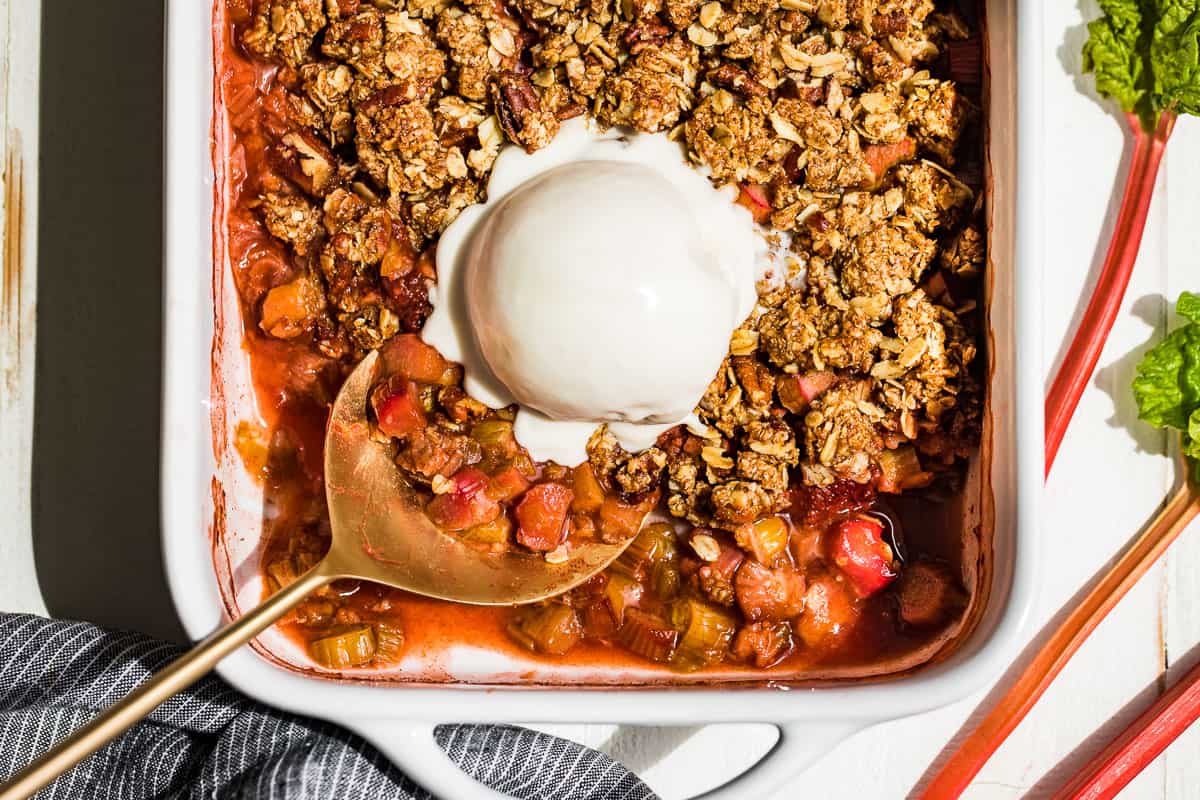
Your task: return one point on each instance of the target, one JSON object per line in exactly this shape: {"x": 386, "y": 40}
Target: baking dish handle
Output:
{"x": 800, "y": 745}
{"x": 412, "y": 747}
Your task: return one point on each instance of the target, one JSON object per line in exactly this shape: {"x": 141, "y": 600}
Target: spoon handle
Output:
{"x": 177, "y": 676}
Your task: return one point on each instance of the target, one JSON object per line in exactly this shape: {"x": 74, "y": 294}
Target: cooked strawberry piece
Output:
{"x": 407, "y": 355}
{"x": 829, "y": 611}
{"x": 542, "y": 516}
{"x": 861, "y": 553}
{"x": 398, "y": 409}
{"x": 466, "y": 505}
{"x": 764, "y": 643}
{"x": 507, "y": 484}
{"x": 753, "y": 197}
{"x": 817, "y": 505}
{"x": 769, "y": 594}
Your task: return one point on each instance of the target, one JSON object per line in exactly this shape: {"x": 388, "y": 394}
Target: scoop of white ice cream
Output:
{"x": 598, "y": 284}
{"x": 592, "y": 297}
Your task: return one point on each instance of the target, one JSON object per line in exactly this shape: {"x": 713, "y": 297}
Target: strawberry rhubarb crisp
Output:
{"x": 850, "y": 129}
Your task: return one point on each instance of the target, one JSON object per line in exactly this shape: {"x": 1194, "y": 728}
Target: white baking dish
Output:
{"x": 200, "y": 480}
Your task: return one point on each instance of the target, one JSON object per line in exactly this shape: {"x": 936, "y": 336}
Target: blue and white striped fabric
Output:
{"x": 212, "y": 742}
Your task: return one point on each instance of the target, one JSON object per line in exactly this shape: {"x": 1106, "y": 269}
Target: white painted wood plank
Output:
{"x": 20, "y": 22}
{"x": 1181, "y": 601}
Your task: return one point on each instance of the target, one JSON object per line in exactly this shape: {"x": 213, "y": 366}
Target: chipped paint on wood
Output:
{"x": 11, "y": 316}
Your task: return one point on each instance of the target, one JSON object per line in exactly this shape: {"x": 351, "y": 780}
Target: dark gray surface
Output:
{"x": 96, "y": 437}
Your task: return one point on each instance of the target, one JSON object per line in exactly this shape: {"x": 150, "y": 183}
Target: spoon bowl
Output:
{"x": 381, "y": 533}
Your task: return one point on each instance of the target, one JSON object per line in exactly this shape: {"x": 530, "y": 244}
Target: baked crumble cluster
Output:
{"x": 856, "y": 367}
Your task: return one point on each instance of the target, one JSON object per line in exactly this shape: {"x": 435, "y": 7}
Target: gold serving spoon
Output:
{"x": 381, "y": 534}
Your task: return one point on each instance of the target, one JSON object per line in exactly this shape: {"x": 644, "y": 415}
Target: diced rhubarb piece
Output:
{"x": 763, "y": 643}
{"x": 861, "y": 553}
{"x": 928, "y": 592}
{"x": 587, "y": 593}
{"x": 621, "y": 594}
{"x": 507, "y": 484}
{"x": 814, "y": 384}
{"x": 620, "y": 520}
{"x": 398, "y": 409}
{"x": 829, "y": 612}
{"x": 466, "y": 505}
{"x": 552, "y": 629}
{"x": 655, "y": 543}
{"x": 765, "y": 539}
{"x": 496, "y": 438}
{"x": 650, "y": 637}
{"x": 797, "y": 392}
{"x": 598, "y": 622}
{"x": 882, "y": 157}
{"x": 589, "y": 495}
{"x": 705, "y": 633}
{"x": 494, "y": 534}
{"x": 774, "y": 595}
{"x": 753, "y": 197}
{"x": 542, "y": 516}
{"x": 900, "y": 469}
{"x": 407, "y": 355}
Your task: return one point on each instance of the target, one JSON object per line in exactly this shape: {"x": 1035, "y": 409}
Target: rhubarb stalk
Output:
{"x": 1167, "y": 390}
{"x": 957, "y": 773}
{"x": 1097, "y": 322}
{"x": 1145, "y": 55}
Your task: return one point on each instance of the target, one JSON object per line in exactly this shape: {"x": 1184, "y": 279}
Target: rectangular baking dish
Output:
{"x": 212, "y": 508}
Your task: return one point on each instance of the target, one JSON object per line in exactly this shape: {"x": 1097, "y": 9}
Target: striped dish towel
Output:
{"x": 213, "y": 742}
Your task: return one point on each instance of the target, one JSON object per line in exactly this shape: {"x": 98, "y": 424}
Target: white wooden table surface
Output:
{"x": 1110, "y": 478}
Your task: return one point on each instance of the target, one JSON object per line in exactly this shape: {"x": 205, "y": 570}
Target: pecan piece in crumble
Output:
{"x": 307, "y": 160}
{"x": 519, "y": 109}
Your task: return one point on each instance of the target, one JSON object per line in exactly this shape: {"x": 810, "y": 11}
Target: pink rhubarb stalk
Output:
{"x": 1080, "y": 362}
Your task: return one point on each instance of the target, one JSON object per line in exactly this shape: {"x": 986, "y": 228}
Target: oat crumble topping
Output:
{"x": 828, "y": 110}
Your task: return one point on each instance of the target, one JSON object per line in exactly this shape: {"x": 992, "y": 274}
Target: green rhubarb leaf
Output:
{"x": 1190, "y": 444}
{"x": 1167, "y": 383}
{"x": 1114, "y": 53}
{"x": 1188, "y": 307}
{"x": 1175, "y": 56}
